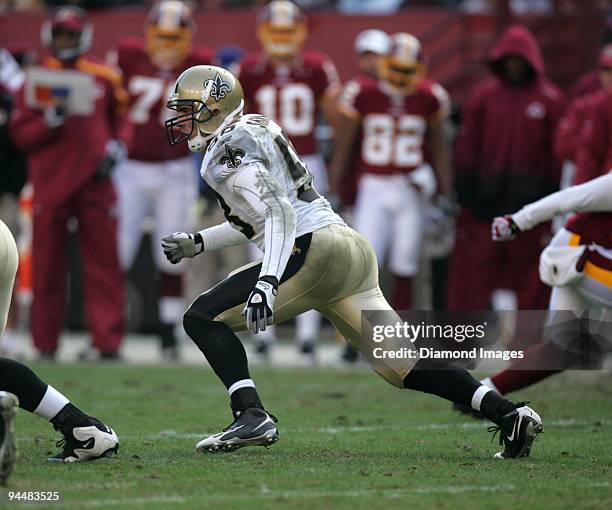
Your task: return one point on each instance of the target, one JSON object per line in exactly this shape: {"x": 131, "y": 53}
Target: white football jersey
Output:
{"x": 258, "y": 179}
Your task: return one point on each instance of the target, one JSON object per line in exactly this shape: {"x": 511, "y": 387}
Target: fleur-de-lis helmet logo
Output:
{"x": 232, "y": 157}
{"x": 218, "y": 87}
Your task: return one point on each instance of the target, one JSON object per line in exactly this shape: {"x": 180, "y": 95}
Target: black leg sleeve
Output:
{"x": 221, "y": 347}
{"x": 20, "y": 380}
{"x": 452, "y": 383}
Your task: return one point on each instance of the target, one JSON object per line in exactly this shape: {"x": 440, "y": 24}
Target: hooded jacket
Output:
{"x": 504, "y": 152}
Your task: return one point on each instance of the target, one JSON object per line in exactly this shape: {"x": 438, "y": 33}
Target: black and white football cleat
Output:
{"x": 518, "y": 429}
{"x": 84, "y": 443}
{"x": 8, "y": 447}
{"x": 253, "y": 427}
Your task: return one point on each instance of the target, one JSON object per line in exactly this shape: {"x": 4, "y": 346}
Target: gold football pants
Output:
{"x": 335, "y": 271}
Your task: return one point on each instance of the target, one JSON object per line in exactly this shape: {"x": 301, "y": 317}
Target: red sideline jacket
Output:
{"x": 504, "y": 151}
{"x": 64, "y": 159}
{"x": 569, "y": 131}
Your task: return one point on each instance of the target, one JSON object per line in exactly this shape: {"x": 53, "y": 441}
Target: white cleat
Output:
{"x": 87, "y": 443}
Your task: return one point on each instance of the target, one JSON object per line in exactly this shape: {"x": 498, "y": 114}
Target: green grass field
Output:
{"x": 348, "y": 441}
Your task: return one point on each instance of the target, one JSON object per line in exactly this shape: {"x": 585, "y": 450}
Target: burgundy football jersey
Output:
{"x": 149, "y": 89}
{"x": 593, "y": 227}
{"x": 393, "y": 127}
{"x": 289, "y": 95}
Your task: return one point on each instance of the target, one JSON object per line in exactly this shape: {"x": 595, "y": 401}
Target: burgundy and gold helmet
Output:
{"x": 71, "y": 19}
{"x": 169, "y": 33}
{"x": 281, "y": 29}
{"x": 403, "y": 67}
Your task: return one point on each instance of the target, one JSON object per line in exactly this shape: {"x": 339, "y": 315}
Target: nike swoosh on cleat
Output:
{"x": 515, "y": 428}
{"x": 267, "y": 420}
{"x": 229, "y": 431}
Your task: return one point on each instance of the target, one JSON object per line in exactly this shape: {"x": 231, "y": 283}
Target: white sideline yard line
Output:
{"x": 385, "y": 493}
{"x": 172, "y": 434}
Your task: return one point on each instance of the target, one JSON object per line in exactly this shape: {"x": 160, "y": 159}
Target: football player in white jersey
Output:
{"x": 312, "y": 260}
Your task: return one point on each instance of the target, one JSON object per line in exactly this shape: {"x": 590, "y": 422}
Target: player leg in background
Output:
{"x": 406, "y": 245}
{"x": 373, "y": 220}
{"x": 307, "y": 328}
{"x": 591, "y": 293}
{"x": 471, "y": 289}
{"x": 175, "y": 207}
{"x": 372, "y": 217}
{"x": 103, "y": 278}
{"x": 49, "y": 241}
{"x": 264, "y": 340}
{"x": 133, "y": 181}
{"x": 529, "y": 370}
{"x": 532, "y": 294}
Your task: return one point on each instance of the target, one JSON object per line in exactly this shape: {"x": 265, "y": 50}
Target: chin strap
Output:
{"x": 198, "y": 142}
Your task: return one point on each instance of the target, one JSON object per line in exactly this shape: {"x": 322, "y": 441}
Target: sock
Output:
{"x": 243, "y": 396}
{"x": 221, "y": 347}
{"x": 20, "y": 380}
{"x": 70, "y": 417}
{"x": 51, "y": 404}
{"x": 402, "y": 292}
{"x": 493, "y": 406}
{"x": 489, "y": 384}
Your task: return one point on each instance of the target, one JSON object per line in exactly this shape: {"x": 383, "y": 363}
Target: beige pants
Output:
{"x": 8, "y": 269}
{"x": 339, "y": 278}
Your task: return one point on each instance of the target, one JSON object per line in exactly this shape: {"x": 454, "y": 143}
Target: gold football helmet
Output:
{"x": 403, "y": 67}
{"x": 281, "y": 29}
{"x": 208, "y": 99}
{"x": 168, "y": 33}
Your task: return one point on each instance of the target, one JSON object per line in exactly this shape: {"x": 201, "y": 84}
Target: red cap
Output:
{"x": 69, "y": 19}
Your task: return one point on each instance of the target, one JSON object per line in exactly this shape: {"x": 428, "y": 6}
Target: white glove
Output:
{"x": 115, "y": 152}
{"x": 260, "y": 305}
{"x": 179, "y": 245}
{"x": 503, "y": 228}
{"x": 55, "y": 115}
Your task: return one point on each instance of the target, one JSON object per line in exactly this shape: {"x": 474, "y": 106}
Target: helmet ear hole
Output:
{"x": 216, "y": 112}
